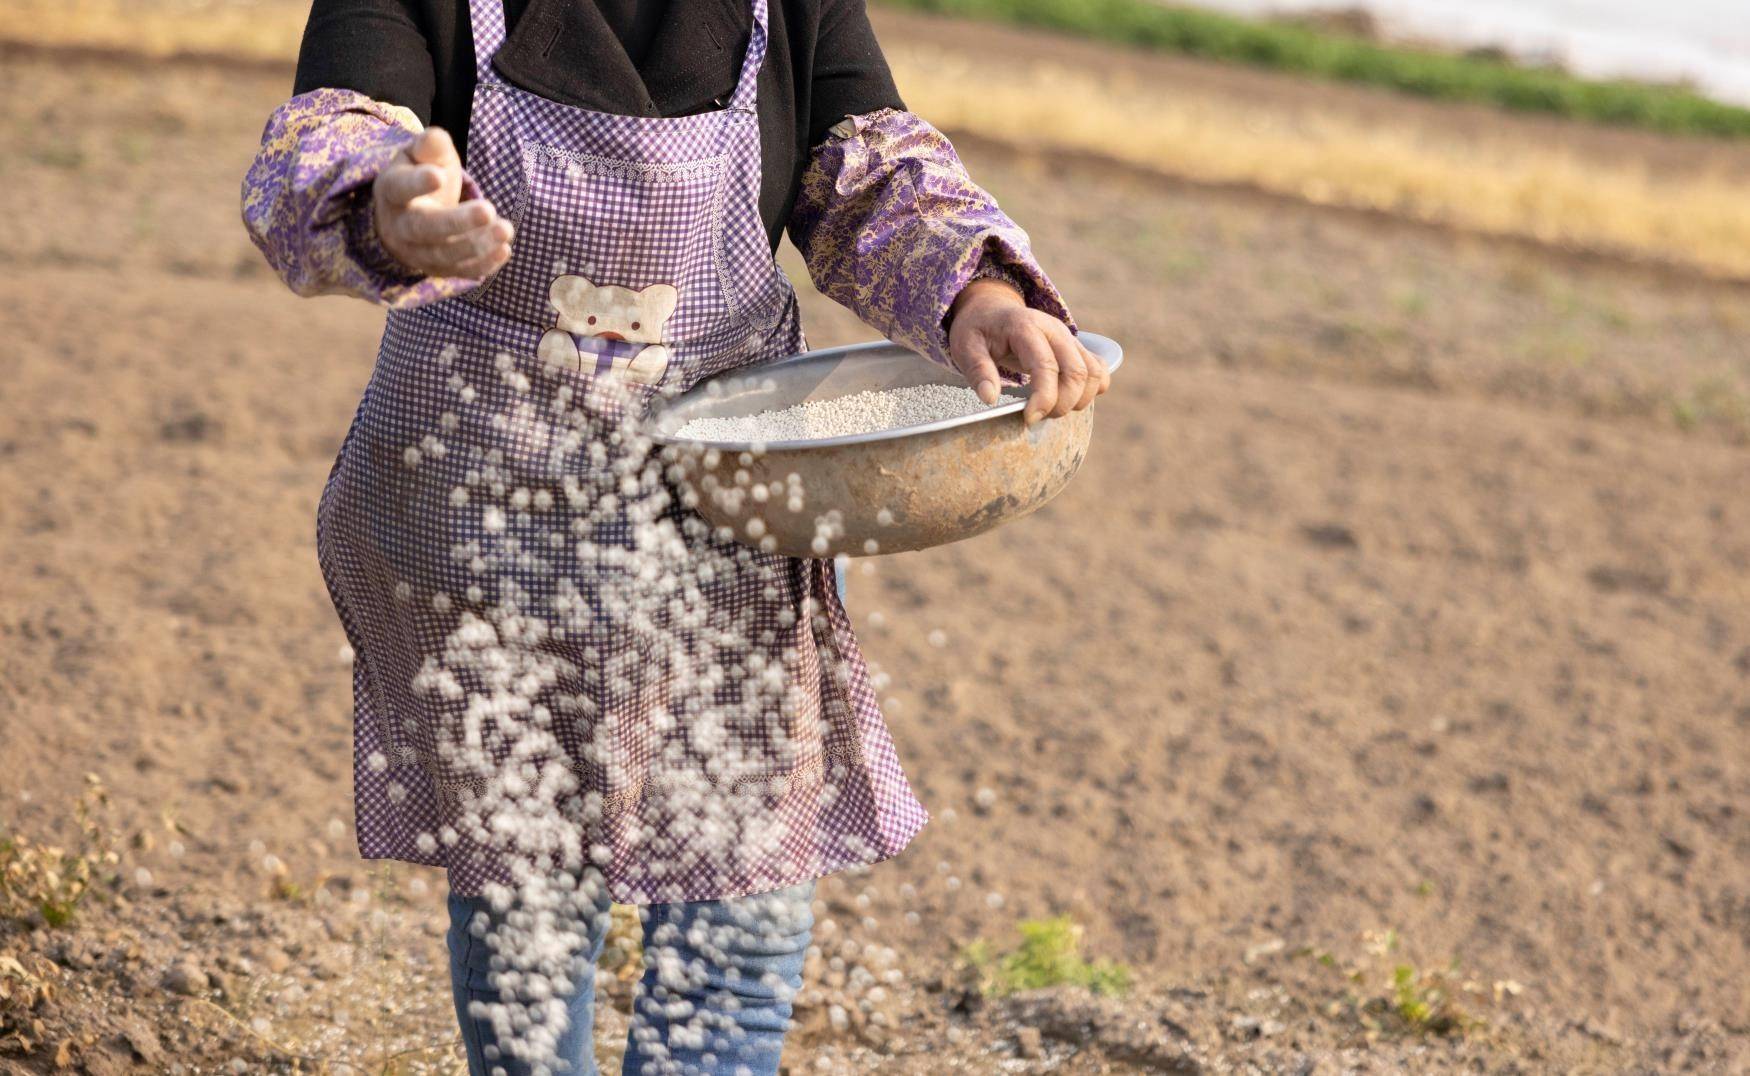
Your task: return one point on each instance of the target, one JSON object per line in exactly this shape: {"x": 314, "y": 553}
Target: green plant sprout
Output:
{"x": 1049, "y": 955}
{"x": 49, "y": 882}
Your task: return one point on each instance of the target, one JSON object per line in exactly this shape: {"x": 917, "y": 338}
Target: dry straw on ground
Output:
{"x": 265, "y": 30}
{"x": 1504, "y": 186}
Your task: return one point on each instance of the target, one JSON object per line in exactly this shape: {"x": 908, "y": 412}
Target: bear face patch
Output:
{"x": 608, "y": 329}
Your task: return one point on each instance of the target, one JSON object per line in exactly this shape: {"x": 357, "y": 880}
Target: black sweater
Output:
{"x": 632, "y": 57}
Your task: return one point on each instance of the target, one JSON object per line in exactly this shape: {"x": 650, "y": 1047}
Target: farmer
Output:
{"x": 568, "y": 690}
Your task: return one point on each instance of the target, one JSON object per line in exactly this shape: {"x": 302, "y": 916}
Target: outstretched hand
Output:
{"x": 992, "y": 327}
{"x": 422, "y": 221}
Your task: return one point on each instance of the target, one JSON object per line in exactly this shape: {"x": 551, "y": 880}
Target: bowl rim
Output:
{"x": 1104, "y": 347}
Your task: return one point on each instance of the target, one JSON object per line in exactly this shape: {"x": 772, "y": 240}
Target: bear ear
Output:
{"x": 567, "y": 292}
{"x": 661, "y": 300}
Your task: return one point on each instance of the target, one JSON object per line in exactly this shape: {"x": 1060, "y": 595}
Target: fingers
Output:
{"x": 1097, "y": 370}
{"x": 428, "y": 226}
{"x": 483, "y": 266}
{"x": 1062, "y": 374}
{"x": 402, "y": 182}
{"x": 434, "y": 146}
{"x": 428, "y": 166}
{"x": 1065, "y": 375}
{"x": 1099, "y": 378}
{"x": 474, "y": 253}
{"x": 1037, "y": 358}
{"x": 1073, "y": 381}
{"x": 971, "y": 353}
{"x": 422, "y": 222}
{"x": 482, "y": 242}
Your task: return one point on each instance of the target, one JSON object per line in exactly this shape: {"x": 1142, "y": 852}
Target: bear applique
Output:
{"x": 600, "y": 328}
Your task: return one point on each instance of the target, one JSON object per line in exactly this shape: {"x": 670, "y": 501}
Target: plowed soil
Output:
{"x": 1401, "y": 616}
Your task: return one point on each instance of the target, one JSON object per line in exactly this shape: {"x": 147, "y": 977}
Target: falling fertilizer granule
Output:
{"x": 844, "y": 416}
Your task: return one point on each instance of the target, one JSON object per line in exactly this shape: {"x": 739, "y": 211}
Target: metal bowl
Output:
{"x": 886, "y": 492}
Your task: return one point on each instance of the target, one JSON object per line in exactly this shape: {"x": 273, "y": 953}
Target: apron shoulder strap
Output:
{"x": 486, "y": 22}
{"x": 747, "y": 87}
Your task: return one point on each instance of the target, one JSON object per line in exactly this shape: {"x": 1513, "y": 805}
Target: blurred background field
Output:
{"x": 1119, "y": 98}
{"x": 1410, "y": 725}
{"x": 1337, "y": 43}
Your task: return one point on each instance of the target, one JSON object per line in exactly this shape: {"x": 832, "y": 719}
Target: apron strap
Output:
{"x": 486, "y": 22}
{"x": 747, "y": 88}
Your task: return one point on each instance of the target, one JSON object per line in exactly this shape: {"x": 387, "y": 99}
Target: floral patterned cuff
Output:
{"x": 893, "y": 228}
{"x": 307, "y": 198}
{"x": 996, "y": 270}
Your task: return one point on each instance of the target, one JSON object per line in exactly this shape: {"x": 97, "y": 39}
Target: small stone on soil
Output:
{"x": 186, "y": 979}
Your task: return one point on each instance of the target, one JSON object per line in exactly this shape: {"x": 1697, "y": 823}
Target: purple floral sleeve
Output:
{"x": 893, "y": 228}
{"x": 307, "y": 198}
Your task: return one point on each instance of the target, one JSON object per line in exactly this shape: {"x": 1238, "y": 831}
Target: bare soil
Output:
{"x": 1401, "y": 616}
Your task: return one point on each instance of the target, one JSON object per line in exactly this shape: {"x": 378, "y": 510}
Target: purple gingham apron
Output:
{"x": 558, "y": 670}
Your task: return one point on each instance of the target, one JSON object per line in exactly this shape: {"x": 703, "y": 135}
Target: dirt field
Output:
{"x": 1400, "y": 617}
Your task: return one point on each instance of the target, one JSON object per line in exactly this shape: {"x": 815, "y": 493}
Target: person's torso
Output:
{"x": 648, "y": 58}
{"x": 651, "y": 58}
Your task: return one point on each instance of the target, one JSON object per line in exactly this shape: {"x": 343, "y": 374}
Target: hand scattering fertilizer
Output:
{"x": 863, "y": 450}
{"x": 599, "y": 731}
{"x": 842, "y": 416}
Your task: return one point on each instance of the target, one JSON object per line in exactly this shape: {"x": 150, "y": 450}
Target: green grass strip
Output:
{"x": 1286, "y": 47}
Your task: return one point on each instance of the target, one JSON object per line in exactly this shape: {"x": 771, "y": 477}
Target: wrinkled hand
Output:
{"x": 993, "y": 327}
{"x": 422, "y": 221}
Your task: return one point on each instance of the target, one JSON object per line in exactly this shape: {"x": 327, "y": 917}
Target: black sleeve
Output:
{"x": 850, "y": 73}
{"x": 375, "y": 47}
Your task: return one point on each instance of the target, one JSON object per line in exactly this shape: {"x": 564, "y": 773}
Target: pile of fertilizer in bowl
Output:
{"x": 844, "y": 416}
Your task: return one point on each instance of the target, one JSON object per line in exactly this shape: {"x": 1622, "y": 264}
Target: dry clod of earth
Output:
{"x": 187, "y": 979}
{"x": 142, "y": 1041}
{"x": 274, "y": 959}
{"x": 1125, "y": 1033}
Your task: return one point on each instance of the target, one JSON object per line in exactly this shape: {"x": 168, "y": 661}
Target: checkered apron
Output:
{"x": 559, "y": 671}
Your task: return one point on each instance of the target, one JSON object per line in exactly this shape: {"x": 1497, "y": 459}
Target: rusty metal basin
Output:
{"x": 887, "y": 492}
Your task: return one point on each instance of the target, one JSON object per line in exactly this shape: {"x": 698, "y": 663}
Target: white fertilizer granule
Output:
{"x": 863, "y": 412}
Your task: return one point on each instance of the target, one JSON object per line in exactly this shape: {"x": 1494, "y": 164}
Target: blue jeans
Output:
{"x": 715, "y": 999}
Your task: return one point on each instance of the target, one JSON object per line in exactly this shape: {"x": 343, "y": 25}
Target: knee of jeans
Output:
{"x": 479, "y": 934}
{"x": 764, "y": 940}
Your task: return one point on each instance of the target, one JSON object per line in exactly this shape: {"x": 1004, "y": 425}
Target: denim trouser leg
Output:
{"x": 719, "y": 980}
{"x": 715, "y": 999}
{"x": 494, "y": 1033}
